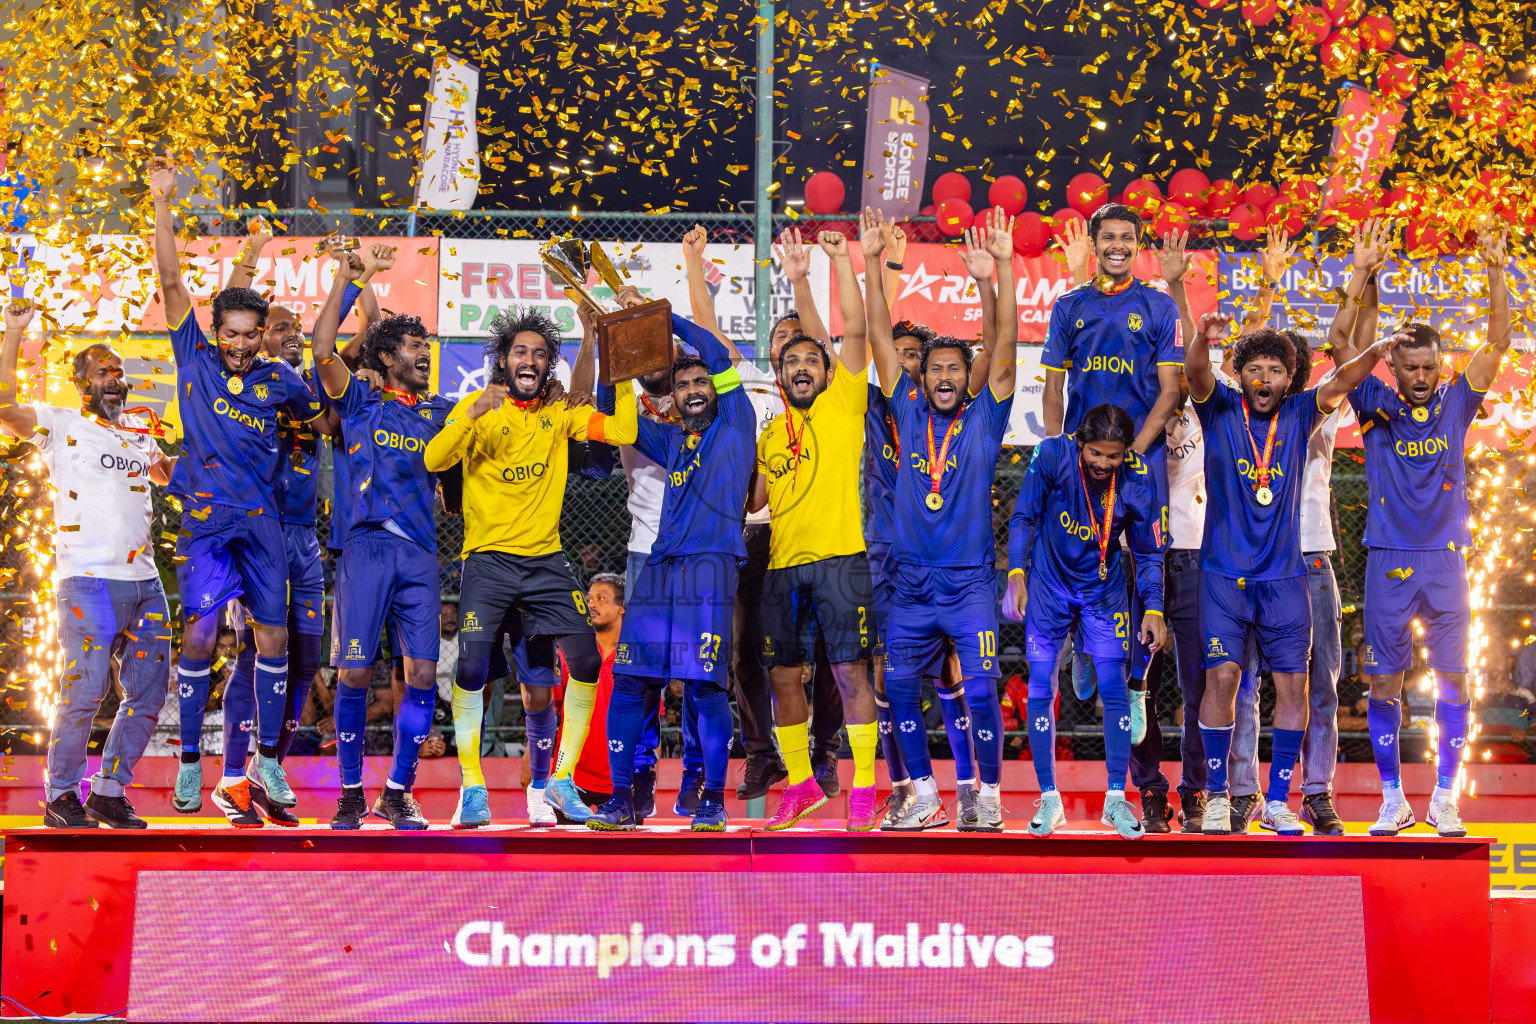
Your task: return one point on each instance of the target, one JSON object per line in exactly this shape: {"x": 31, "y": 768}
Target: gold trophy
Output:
{"x": 631, "y": 342}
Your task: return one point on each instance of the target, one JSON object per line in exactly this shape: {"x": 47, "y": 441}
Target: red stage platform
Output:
{"x": 515, "y": 924}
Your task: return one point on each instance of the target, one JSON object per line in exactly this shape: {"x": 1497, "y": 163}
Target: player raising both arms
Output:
{"x": 677, "y": 621}
{"x": 231, "y": 542}
{"x": 1080, "y": 493}
{"x": 388, "y": 569}
{"x": 515, "y": 451}
{"x": 944, "y": 575}
{"x": 817, "y": 583}
{"x": 1252, "y": 579}
{"x": 1417, "y": 533}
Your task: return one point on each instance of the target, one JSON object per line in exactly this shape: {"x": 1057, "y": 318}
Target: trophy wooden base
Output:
{"x": 635, "y": 341}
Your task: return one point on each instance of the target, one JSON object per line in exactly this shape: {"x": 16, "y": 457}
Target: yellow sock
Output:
{"x": 795, "y": 745}
{"x": 864, "y": 739}
{"x": 576, "y": 715}
{"x": 468, "y": 713}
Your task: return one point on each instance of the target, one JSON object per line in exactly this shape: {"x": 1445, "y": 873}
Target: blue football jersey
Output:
{"x": 1053, "y": 524}
{"x": 230, "y": 447}
{"x": 959, "y": 532}
{"x": 385, "y": 443}
{"x": 880, "y": 465}
{"x": 1110, "y": 347}
{"x": 1416, "y": 472}
{"x": 298, "y": 479}
{"x": 1244, "y": 539}
{"x": 707, "y": 474}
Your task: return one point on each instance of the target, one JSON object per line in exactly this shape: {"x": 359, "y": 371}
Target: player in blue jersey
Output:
{"x": 388, "y": 570}
{"x": 1417, "y": 534}
{"x": 231, "y": 542}
{"x": 1080, "y": 493}
{"x": 677, "y": 622}
{"x": 881, "y": 238}
{"x": 945, "y": 583}
{"x": 242, "y": 799}
{"x": 1115, "y": 340}
{"x": 1252, "y": 580}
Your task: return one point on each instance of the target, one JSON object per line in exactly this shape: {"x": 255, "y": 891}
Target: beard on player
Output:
{"x": 693, "y": 394}
{"x": 804, "y": 365}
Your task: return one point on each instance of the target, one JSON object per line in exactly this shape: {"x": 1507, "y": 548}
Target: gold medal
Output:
{"x": 235, "y": 385}
{"x": 1103, "y": 571}
{"x": 1421, "y": 414}
{"x": 1265, "y": 495}
{"x": 935, "y": 500}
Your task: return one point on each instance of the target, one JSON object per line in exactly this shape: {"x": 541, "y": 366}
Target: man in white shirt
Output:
{"x": 754, "y": 698}
{"x": 111, "y": 604}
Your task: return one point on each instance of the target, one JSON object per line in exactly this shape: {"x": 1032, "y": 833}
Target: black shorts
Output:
{"x": 834, "y": 596}
{"x": 542, "y": 588}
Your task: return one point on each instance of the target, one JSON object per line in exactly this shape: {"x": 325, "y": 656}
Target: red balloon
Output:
{"x": 1009, "y": 193}
{"x": 1087, "y": 192}
{"x": 1058, "y": 221}
{"x": 1221, "y": 197}
{"x": 1500, "y": 100}
{"x": 1428, "y": 238}
{"x": 1260, "y": 12}
{"x": 1464, "y": 61}
{"x": 1302, "y": 194}
{"x": 1245, "y": 221}
{"x": 1397, "y": 77}
{"x": 954, "y": 216}
{"x": 1171, "y": 217}
{"x": 1341, "y": 52}
{"x": 1143, "y": 196}
{"x": 1212, "y": 5}
{"x": 1258, "y": 195}
{"x": 1377, "y": 32}
{"x": 824, "y": 193}
{"x": 1189, "y": 188}
{"x": 1286, "y": 216}
{"x": 1345, "y": 12}
{"x": 1402, "y": 203}
{"x": 1310, "y": 25}
{"x": 951, "y": 185}
{"x": 1030, "y": 234}
{"x": 1465, "y": 98}
{"x": 1353, "y": 207}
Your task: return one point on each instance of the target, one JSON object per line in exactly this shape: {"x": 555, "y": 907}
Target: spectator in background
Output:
{"x": 1522, "y": 667}
{"x": 605, "y": 606}
{"x": 447, "y": 649}
{"x": 1506, "y": 703}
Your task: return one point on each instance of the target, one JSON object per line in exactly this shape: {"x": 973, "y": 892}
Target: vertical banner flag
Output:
{"x": 449, "y": 178}
{"x": 1363, "y": 135}
{"x": 895, "y": 142}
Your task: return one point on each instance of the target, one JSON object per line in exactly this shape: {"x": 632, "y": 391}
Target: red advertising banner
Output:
{"x": 721, "y": 945}
{"x": 1363, "y": 135}
{"x": 936, "y": 291}
{"x": 291, "y": 274}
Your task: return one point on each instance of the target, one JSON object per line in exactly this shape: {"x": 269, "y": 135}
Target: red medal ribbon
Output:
{"x": 410, "y": 398}
{"x": 1100, "y": 535}
{"x": 1261, "y": 465}
{"x": 937, "y": 461}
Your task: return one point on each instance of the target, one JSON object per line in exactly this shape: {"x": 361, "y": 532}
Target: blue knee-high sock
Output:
{"x": 240, "y": 709}
{"x": 192, "y": 695}
{"x": 1218, "y": 749}
{"x": 626, "y": 721}
{"x": 1114, "y": 691}
{"x": 1452, "y": 722}
{"x": 351, "y": 716}
{"x": 986, "y": 714}
{"x": 542, "y": 726}
{"x": 1042, "y": 741}
{"x": 271, "y": 698}
{"x": 693, "y": 753}
{"x": 1385, "y": 719}
{"x": 904, "y": 696}
{"x": 890, "y": 746}
{"x": 716, "y": 728}
{"x": 303, "y": 662}
{"x": 957, "y": 724}
{"x": 1285, "y": 748}
{"x": 412, "y": 724}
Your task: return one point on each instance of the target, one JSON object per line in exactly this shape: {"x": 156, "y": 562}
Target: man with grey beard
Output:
{"x": 110, "y": 600}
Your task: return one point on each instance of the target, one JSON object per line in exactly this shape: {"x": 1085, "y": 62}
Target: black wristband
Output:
{"x": 893, "y": 265}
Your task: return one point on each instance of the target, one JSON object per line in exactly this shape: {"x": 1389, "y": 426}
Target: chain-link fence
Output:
{"x": 595, "y": 523}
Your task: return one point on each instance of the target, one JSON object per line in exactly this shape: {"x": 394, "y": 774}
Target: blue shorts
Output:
{"x": 677, "y": 621}
{"x": 306, "y": 579}
{"x": 384, "y": 579}
{"x": 932, "y": 604}
{"x": 229, "y": 552}
{"x": 884, "y": 594}
{"x": 1277, "y": 612}
{"x": 1051, "y": 614}
{"x": 1430, "y": 586}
